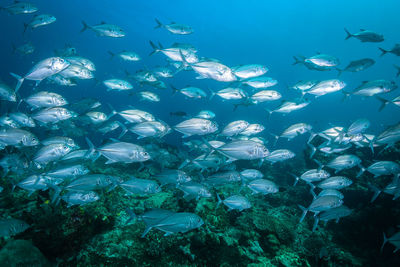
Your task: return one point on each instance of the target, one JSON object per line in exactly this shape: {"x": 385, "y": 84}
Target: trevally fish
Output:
{"x": 357, "y": 65}
{"x": 51, "y": 153}
{"x": 191, "y": 92}
{"x": 6, "y": 93}
{"x": 289, "y": 106}
{"x": 24, "y": 49}
{"x": 205, "y": 114}
{"x": 280, "y": 155}
{"x": 53, "y": 115}
{"x": 140, "y": 186}
{"x": 42, "y": 70}
{"x": 81, "y": 61}
{"x": 249, "y": 71}
{"x": 40, "y": 20}
{"x": 80, "y": 198}
{"x": 22, "y": 119}
{"x": 260, "y": 82}
{"x": 180, "y": 222}
{"x": 136, "y": 115}
{"x": 243, "y": 149}
{"x": 104, "y": 29}
{"x": 17, "y": 137}
{"x": 74, "y": 71}
{"x": 126, "y": 55}
{"x": 320, "y": 62}
{"x": 332, "y": 214}
{"x": 395, "y": 50}
{"x": 196, "y": 126}
{"x": 10, "y": 227}
{"x": 251, "y": 174}
{"x": 326, "y": 87}
{"x": 252, "y": 129}
{"x": 117, "y": 84}
{"x": 235, "y": 202}
{"x": 155, "y": 129}
{"x": 365, "y": 36}
{"x": 45, "y": 99}
{"x": 313, "y": 175}
{"x": 149, "y": 96}
{"x": 230, "y": 93}
{"x": 192, "y": 190}
{"x": 265, "y": 95}
{"x": 234, "y": 128}
{"x": 320, "y": 204}
{"x": 262, "y": 186}
{"x": 175, "y": 28}
{"x": 120, "y": 152}
{"x": 20, "y": 8}
{"x": 371, "y": 88}
{"x": 173, "y": 177}
{"x": 380, "y": 168}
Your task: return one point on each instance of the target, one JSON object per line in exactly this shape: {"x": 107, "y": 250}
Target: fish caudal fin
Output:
{"x": 304, "y": 212}
{"x": 383, "y": 101}
{"x": 20, "y": 80}
{"x": 155, "y": 48}
{"x": 159, "y": 24}
{"x": 85, "y": 26}
{"x": 385, "y": 240}
{"x": 383, "y": 51}
{"x": 349, "y": 35}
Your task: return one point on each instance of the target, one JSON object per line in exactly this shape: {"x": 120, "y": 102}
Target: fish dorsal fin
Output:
{"x": 114, "y": 140}
{"x": 103, "y": 22}
{"x": 173, "y": 22}
{"x": 318, "y": 53}
{"x": 362, "y": 30}
{"x": 364, "y": 82}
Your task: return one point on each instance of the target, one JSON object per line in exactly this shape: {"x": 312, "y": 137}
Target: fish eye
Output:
{"x": 65, "y": 147}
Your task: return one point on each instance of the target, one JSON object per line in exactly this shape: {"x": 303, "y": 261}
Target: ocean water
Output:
{"x": 234, "y": 32}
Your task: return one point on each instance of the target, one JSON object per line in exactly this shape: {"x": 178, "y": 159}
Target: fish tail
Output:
{"x": 296, "y": 178}
{"x": 339, "y": 71}
{"x": 174, "y": 90}
{"x": 26, "y": 25}
{"x": 362, "y": 170}
{"x": 155, "y": 48}
{"x": 305, "y": 210}
{"x": 349, "y": 35}
{"x": 296, "y": 61}
{"x": 219, "y": 200}
{"x": 92, "y": 149}
{"x": 85, "y": 26}
{"x": 376, "y": 190}
{"x": 345, "y": 95}
{"x": 385, "y": 240}
{"x": 398, "y": 70}
{"x": 320, "y": 165}
{"x": 124, "y": 129}
{"x": 313, "y": 150}
{"x": 316, "y": 221}
{"x": 184, "y": 163}
{"x": 111, "y": 54}
{"x": 383, "y": 51}
{"x": 269, "y": 113}
{"x": 20, "y": 80}
{"x": 212, "y": 94}
{"x": 383, "y": 101}
{"x": 159, "y": 24}
{"x": 132, "y": 215}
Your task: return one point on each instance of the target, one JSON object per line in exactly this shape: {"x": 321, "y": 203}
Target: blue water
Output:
{"x": 235, "y": 32}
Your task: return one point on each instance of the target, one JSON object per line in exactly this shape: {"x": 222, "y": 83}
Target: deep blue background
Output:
{"x": 235, "y": 32}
